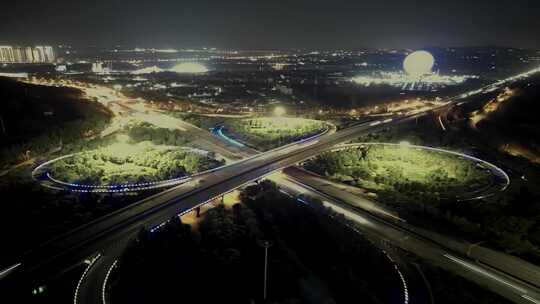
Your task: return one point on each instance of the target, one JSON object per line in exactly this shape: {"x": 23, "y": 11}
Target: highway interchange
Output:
{"x": 448, "y": 253}
{"x": 113, "y": 230}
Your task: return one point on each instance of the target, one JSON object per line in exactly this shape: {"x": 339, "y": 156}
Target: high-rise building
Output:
{"x": 6, "y": 54}
{"x": 46, "y": 53}
{"x": 38, "y": 54}
{"x": 97, "y": 67}
{"x": 18, "y": 55}
{"x": 49, "y": 53}
{"x": 29, "y": 54}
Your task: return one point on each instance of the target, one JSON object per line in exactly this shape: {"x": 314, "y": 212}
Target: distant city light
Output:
{"x": 407, "y": 81}
{"x": 62, "y": 68}
{"x": 417, "y": 75}
{"x": 14, "y": 75}
{"x": 279, "y": 111}
{"x": 189, "y": 68}
{"x": 182, "y": 68}
{"x": 418, "y": 63}
{"x": 165, "y": 50}
{"x": 148, "y": 70}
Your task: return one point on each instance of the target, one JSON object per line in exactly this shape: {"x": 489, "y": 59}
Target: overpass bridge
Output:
{"x": 74, "y": 246}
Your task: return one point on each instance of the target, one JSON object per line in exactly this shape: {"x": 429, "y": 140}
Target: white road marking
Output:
{"x": 485, "y": 273}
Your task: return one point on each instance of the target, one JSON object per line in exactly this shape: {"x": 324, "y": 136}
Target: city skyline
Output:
{"x": 27, "y": 54}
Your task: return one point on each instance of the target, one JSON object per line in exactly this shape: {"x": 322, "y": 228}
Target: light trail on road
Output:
{"x": 483, "y": 272}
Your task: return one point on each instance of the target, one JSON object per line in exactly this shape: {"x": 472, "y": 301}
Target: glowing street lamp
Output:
{"x": 279, "y": 111}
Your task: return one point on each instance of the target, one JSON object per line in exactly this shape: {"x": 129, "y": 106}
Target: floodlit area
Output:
{"x": 406, "y": 81}
{"x": 417, "y": 75}
{"x": 269, "y": 132}
{"x": 403, "y": 169}
{"x": 181, "y": 68}
{"x": 490, "y": 107}
{"x": 125, "y": 162}
{"x": 418, "y": 63}
{"x": 148, "y": 70}
{"x": 279, "y": 111}
{"x": 189, "y": 68}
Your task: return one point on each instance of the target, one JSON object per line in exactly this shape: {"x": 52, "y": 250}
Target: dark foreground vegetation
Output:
{"x": 312, "y": 258}
{"x": 37, "y": 119}
{"x": 31, "y": 214}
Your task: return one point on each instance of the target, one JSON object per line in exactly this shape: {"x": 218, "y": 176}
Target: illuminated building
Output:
{"x": 6, "y": 54}
{"x": 61, "y": 68}
{"x": 418, "y": 63}
{"x": 417, "y": 75}
{"x": 38, "y": 54}
{"x": 99, "y": 68}
{"x": 19, "y": 55}
{"x": 47, "y": 53}
{"x": 29, "y": 55}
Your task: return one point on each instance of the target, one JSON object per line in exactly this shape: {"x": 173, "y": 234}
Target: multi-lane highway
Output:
{"x": 437, "y": 249}
{"x": 125, "y": 223}
{"x": 162, "y": 206}
{"x": 154, "y": 210}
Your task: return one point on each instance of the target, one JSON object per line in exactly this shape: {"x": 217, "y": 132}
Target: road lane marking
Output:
{"x": 441, "y": 123}
{"x": 104, "y": 287}
{"x": 9, "y": 269}
{"x": 529, "y": 298}
{"x": 405, "y": 289}
{"x": 485, "y": 273}
{"x": 90, "y": 264}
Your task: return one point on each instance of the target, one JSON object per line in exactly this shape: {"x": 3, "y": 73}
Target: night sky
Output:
{"x": 276, "y": 24}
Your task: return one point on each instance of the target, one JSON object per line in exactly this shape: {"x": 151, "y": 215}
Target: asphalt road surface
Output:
{"x": 384, "y": 227}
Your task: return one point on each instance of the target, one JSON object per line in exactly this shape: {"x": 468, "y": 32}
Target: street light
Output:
{"x": 266, "y": 245}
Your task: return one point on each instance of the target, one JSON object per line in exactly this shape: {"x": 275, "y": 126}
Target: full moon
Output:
{"x": 418, "y": 63}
